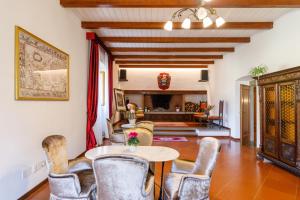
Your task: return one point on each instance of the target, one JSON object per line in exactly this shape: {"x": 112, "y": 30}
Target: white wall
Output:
{"x": 278, "y": 48}
{"x": 24, "y": 124}
{"x": 181, "y": 79}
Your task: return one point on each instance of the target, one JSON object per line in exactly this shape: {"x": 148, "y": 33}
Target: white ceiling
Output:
{"x": 174, "y": 33}
{"x": 164, "y": 14}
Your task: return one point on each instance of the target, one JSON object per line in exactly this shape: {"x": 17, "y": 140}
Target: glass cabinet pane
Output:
{"x": 270, "y": 121}
{"x": 287, "y": 113}
{"x": 270, "y": 132}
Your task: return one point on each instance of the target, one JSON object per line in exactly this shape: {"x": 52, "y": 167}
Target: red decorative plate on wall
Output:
{"x": 164, "y": 80}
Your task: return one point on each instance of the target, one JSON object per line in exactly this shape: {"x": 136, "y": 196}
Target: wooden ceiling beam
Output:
{"x": 139, "y": 62}
{"x": 168, "y": 56}
{"x": 181, "y": 3}
{"x": 128, "y": 49}
{"x": 176, "y": 39}
{"x": 163, "y": 66}
{"x": 176, "y": 25}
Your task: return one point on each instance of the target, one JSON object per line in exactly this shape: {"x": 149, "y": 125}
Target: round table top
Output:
{"x": 150, "y": 153}
{"x": 128, "y": 125}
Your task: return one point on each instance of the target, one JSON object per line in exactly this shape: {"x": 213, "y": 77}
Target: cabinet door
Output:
{"x": 287, "y": 122}
{"x": 270, "y": 121}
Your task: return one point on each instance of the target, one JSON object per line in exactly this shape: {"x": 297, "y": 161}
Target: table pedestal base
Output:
{"x": 161, "y": 181}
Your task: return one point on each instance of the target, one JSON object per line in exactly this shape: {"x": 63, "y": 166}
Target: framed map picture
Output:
{"x": 120, "y": 100}
{"x": 41, "y": 70}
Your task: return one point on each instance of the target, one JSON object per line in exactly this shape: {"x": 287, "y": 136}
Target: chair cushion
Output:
{"x": 172, "y": 183}
{"x": 79, "y": 164}
{"x": 117, "y": 138}
{"x": 87, "y": 182}
{"x": 182, "y": 166}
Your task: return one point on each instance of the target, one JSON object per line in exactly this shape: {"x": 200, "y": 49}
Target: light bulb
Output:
{"x": 201, "y": 13}
{"x": 186, "y": 24}
{"x": 168, "y": 26}
{"x": 220, "y": 21}
{"x": 207, "y": 22}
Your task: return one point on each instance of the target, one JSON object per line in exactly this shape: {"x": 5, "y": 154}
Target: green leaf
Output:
{"x": 258, "y": 71}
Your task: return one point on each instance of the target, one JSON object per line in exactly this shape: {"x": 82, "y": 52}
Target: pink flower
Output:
{"x": 132, "y": 134}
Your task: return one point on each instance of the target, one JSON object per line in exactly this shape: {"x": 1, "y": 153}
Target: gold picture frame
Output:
{"x": 42, "y": 71}
{"x": 119, "y": 100}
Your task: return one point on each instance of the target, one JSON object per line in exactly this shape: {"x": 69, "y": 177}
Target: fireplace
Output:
{"x": 163, "y": 102}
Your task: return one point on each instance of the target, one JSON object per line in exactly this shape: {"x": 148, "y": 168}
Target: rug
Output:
{"x": 169, "y": 139}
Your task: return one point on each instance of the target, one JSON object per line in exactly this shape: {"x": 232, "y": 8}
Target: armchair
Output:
{"x": 146, "y": 124}
{"x": 187, "y": 187}
{"x": 191, "y": 180}
{"x": 114, "y": 137}
{"x": 145, "y": 136}
{"x": 123, "y": 177}
{"x": 67, "y": 180}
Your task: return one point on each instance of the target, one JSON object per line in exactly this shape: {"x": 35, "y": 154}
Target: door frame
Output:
{"x": 241, "y": 113}
{"x": 255, "y": 114}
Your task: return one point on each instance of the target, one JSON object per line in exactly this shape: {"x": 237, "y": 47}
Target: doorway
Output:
{"x": 248, "y": 114}
{"x": 245, "y": 115}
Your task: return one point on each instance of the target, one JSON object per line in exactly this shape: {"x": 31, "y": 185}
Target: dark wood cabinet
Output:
{"x": 280, "y": 118}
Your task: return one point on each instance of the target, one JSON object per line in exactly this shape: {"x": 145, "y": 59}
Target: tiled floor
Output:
{"x": 237, "y": 176}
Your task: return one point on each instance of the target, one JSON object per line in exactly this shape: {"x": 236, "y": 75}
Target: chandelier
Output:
{"x": 206, "y": 15}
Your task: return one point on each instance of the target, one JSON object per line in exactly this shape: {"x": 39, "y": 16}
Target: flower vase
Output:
{"x": 132, "y": 148}
{"x": 132, "y": 121}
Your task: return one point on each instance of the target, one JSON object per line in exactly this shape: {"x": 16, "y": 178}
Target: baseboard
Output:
{"x": 35, "y": 188}
{"x": 222, "y": 126}
{"x": 235, "y": 139}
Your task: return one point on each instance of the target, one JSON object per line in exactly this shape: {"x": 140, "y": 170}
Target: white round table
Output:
{"x": 126, "y": 126}
{"x": 150, "y": 153}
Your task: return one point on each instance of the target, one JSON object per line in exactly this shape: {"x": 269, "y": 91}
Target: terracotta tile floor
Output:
{"x": 237, "y": 176}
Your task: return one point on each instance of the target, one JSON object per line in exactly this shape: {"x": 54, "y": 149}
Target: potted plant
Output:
{"x": 258, "y": 71}
{"x": 131, "y": 116}
{"x": 133, "y": 141}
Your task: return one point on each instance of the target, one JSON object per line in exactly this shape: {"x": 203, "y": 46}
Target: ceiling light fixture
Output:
{"x": 186, "y": 24}
{"x": 207, "y": 22}
{"x": 220, "y": 21}
{"x": 168, "y": 26}
{"x": 204, "y": 14}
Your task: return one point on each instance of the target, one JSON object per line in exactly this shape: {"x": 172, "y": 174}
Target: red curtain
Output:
{"x": 110, "y": 83}
{"x": 92, "y": 96}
